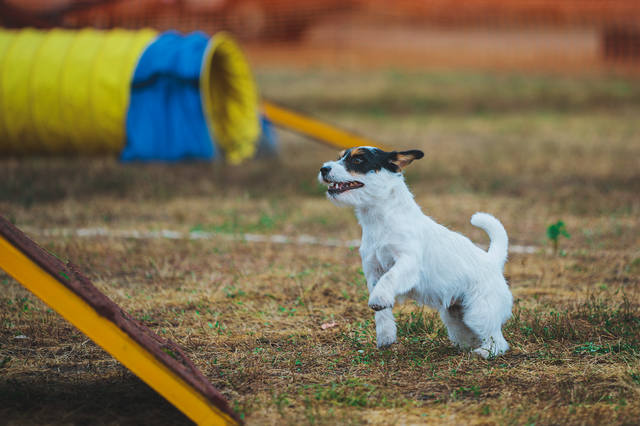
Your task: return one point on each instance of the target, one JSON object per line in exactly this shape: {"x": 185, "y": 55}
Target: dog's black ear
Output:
{"x": 403, "y": 158}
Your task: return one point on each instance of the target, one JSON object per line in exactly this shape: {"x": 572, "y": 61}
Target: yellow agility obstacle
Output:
{"x": 230, "y": 98}
{"x": 66, "y": 91}
{"x": 159, "y": 363}
{"x": 143, "y": 94}
{"x": 314, "y": 128}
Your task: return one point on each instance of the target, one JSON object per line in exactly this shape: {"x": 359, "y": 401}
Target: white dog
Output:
{"x": 406, "y": 254}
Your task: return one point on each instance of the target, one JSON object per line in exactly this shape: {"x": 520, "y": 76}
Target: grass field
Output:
{"x": 532, "y": 150}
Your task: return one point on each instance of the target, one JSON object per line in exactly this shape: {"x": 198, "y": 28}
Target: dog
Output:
{"x": 406, "y": 254}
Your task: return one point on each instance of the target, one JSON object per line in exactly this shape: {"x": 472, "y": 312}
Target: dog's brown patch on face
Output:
{"x": 404, "y": 158}
{"x": 341, "y": 153}
{"x": 356, "y": 151}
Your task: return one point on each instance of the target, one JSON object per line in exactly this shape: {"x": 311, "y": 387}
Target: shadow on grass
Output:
{"x": 36, "y": 399}
{"x": 35, "y": 181}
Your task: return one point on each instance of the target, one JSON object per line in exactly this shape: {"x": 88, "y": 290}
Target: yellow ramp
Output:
{"x": 159, "y": 363}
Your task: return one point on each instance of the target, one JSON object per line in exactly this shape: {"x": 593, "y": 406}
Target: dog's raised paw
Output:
{"x": 377, "y": 307}
{"x": 378, "y": 303}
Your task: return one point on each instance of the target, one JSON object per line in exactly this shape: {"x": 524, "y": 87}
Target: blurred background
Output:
{"x": 574, "y": 35}
{"x": 533, "y": 100}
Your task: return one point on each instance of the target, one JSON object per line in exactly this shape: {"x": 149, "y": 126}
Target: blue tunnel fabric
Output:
{"x": 165, "y": 119}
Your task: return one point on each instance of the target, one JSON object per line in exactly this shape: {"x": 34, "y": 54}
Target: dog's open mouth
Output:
{"x": 339, "y": 187}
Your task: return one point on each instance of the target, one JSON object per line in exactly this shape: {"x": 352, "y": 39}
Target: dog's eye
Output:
{"x": 357, "y": 160}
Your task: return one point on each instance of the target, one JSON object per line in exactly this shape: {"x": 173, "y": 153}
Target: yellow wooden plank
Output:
{"x": 315, "y": 128}
{"x": 106, "y": 334}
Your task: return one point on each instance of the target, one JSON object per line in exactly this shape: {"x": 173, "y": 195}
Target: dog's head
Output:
{"x": 364, "y": 175}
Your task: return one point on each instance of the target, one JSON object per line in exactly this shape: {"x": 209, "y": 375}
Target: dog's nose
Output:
{"x": 325, "y": 171}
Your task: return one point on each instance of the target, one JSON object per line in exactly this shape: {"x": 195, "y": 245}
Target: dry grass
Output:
{"x": 531, "y": 151}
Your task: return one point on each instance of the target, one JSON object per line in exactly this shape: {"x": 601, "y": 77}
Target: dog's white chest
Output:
{"x": 378, "y": 252}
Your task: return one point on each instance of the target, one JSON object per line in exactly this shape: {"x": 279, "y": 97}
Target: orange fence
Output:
{"x": 570, "y": 34}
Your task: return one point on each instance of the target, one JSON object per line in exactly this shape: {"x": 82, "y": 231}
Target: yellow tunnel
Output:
{"x": 66, "y": 91}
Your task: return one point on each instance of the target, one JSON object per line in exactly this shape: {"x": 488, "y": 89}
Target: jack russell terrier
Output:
{"x": 406, "y": 254}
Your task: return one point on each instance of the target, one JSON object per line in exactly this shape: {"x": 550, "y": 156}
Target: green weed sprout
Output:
{"x": 554, "y": 231}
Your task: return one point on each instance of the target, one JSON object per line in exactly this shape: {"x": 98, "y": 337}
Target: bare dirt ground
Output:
{"x": 530, "y": 149}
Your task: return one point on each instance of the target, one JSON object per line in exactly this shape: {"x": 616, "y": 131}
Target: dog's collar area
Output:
{"x": 339, "y": 187}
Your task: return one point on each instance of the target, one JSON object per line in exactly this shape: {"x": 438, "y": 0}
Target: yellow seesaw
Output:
{"x": 159, "y": 363}
{"x": 314, "y": 128}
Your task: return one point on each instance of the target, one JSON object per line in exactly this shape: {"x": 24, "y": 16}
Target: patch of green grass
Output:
{"x": 232, "y": 292}
{"x": 424, "y": 322}
{"x": 281, "y": 401}
{"x": 466, "y": 392}
{"x": 582, "y": 323}
{"x": 359, "y": 335}
{"x": 350, "y": 392}
{"x": 235, "y": 223}
{"x": 555, "y": 231}
{"x": 287, "y": 311}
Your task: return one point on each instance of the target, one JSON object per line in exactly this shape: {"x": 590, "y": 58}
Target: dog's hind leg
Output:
{"x": 482, "y": 320}
{"x": 494, "y": 345}
{"x": 385, "y": 328}
{"x": 459, "y": 333}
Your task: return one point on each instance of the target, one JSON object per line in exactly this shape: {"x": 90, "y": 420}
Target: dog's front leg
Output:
{"x": 385, "y": 322}
{"x": 385, "y": 328}
{"x": 372, "y": 270}
{"x": 398, "y": 280}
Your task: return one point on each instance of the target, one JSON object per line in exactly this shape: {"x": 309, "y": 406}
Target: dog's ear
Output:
{"x": 403, "y": 158}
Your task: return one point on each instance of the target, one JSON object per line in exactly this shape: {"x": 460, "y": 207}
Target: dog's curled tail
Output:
{"x": 499, "y": 239}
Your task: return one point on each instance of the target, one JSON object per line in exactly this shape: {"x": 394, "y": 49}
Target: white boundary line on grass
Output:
{"x": 303, "y": 240}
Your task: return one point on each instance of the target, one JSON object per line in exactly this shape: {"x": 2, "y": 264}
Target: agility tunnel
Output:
{"x": 141, "y": 95}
